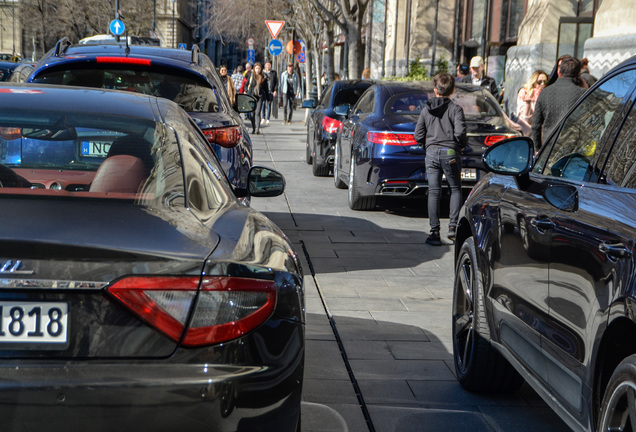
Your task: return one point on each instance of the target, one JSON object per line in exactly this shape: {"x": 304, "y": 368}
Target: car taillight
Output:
{"x": 226, "y": 307}
{"x": 390, "y": 138}
{"x": 225, "y": 137}
{"x": 124, "y": 60}
{"x": 10, "y": 133}
{"x": 491, "y": 139}
{"x": 331, "y": 125}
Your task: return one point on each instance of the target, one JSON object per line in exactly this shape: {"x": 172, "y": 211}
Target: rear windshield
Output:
{"x": 192, "y": 94}
{"x": 475, "y": 105}
{"x": 84, "y": 155}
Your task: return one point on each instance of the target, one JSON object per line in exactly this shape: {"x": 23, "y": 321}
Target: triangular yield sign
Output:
{"x": 275, "y": 27}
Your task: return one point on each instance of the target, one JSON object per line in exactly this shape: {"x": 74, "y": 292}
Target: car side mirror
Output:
{"x": 513, "y": 156}
{"x": 309, "y": 103}
{"x": 342, "y": 110}
{"x": 265, "y": 182}
{"x": 245, "y": 103}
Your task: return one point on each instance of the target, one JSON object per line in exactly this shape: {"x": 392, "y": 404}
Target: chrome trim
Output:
{"x": 13, "y": 267}
{"x": 50, "y": 283}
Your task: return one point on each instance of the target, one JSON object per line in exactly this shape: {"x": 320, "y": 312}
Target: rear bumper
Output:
{"x": 325, "y": 149}
{"x": 152, "y": 396}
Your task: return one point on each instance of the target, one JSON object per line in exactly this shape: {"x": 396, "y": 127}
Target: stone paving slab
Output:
{"x": 388, "y": 296}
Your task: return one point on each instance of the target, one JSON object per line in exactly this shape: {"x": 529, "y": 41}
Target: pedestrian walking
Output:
{"x": 229, "y": 84}
{"x": 555, "y": 100}
{"x": 289, "y": 87}
{"x": 257, "y": 86}
{"x": 237, "y": 77}
{"x": 478, "y": 77}
{"x": 272, "y": 82}
{"x": 441, "y": 130}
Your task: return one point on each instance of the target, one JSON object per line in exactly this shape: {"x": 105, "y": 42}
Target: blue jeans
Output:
{"x": 443, "y": 161}
{"x": 267, "y": 108}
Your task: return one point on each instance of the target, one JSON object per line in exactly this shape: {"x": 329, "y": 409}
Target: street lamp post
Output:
{"x": 174, "y": 27}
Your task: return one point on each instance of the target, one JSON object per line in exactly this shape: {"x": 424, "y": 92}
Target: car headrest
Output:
{"x": 133, "y": 146}
{"x": 121, "y": 173}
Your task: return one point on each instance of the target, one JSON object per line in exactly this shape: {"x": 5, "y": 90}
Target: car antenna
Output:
{"x": 127, "y": 47}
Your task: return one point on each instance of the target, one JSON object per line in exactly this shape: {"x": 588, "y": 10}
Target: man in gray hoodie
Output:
{"x": 441, "y": 129}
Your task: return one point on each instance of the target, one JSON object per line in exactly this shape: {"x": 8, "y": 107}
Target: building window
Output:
{"x": 512, "y": 12}
{"x": 573, "y": 32}
{"x": 477, "y": 21}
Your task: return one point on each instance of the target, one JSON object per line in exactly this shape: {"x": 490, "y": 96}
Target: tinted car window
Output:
{"x": 191, "y": 94}
{"x": 620, "y": 168}
{"x": 578, "y": 144}
{"x": 348, "y": 95}
{"x": 365, "y": 104}
{"x": 326, "y": 97}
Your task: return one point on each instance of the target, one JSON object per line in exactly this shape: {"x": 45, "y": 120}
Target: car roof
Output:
{"x": 81, "y": 99}
{"x": 65, "y": 52}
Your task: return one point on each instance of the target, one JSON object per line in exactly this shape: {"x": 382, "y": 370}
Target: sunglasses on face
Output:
{"x": 540, "y": 82}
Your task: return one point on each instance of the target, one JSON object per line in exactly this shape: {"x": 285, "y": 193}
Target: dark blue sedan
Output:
{"x": 188, "y": 78}
{"x": 377, "y": 156}
{"x": 325, "y": 121}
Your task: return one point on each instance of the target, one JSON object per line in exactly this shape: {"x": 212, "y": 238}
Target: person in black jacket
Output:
{"x": 256, "y": 85}
{"x": 441, "y": 129}
{"x": 272, "y": 80}
{"x": 478, "y": 77}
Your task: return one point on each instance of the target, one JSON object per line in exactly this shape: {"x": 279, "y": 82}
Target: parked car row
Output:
{"x": 136, "y": 290}
{"x": 368, "y": 143}
{"x": 545, "y": 264}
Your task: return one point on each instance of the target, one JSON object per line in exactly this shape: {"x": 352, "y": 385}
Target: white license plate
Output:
{"x": 95, "y": 148}
{"x": 469, "y": 174}
{"x": 33, "y": 322}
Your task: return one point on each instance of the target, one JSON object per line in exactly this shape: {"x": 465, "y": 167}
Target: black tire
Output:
{"x": 336, "y": 170}
{"x": 309, "y": 157}
{"x": 618, "y": 412}
{"x": 479, "y": 367}
{"x": 357, "y": 201}
{"x": 319, "y": 170}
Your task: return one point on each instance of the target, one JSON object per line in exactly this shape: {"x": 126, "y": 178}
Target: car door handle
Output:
{"x": 617, "y": 250}
{"x": 542, "y": 224}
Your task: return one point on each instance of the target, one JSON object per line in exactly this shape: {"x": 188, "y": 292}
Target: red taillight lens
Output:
{"x": 226, "y": 307}
{"x": 225, "y": 137}
{"x": 331, "y": 125}
{"x": 491, "y": 139}
{"x": 390, "y": 138}
{"x": 125, "y": 60}
{"x": 10, "y": 133}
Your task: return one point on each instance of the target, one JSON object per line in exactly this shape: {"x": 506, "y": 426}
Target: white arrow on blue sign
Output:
{"x": 275, "y": 47}
{"x": 251, "y": 56}
{"x": 117, "y": 27}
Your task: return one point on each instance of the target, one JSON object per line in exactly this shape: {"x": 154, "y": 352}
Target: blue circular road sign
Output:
{"x": 117, "y": 27}
{"x": 275, "y": 47}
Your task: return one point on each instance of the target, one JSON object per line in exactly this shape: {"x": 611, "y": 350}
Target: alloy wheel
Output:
{"x": 464, "y": 315}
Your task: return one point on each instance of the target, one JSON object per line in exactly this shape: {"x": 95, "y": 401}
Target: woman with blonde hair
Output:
{"x": 527, "y": 98}
{"x": 229, "y": 84}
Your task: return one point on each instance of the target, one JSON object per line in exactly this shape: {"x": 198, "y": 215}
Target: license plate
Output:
{"x": 37, "y": 323}
{"x": 95, "y": 148}
{"x": 469, "y": 174}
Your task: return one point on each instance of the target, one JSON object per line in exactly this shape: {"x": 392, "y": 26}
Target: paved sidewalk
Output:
{"x": 376, "y": 290}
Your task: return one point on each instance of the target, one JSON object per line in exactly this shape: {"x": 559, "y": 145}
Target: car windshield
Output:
{"x": 476, "y": 106}
{"x": 81, "y": 155}
{"x": 192, "y": 94}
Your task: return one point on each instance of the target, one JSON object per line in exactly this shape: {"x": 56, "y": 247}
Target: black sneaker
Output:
{"x": 451, "y": 233}
{"x": 434, "y": 239}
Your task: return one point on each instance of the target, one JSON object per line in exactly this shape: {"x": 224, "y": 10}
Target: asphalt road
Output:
{"x": 378, "y": 311}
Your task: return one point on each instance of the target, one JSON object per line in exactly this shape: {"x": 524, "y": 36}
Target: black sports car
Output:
{"x": 136, "y": 293}
{"x": 545, "y": 264}
{"x": 377, "y": 156}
